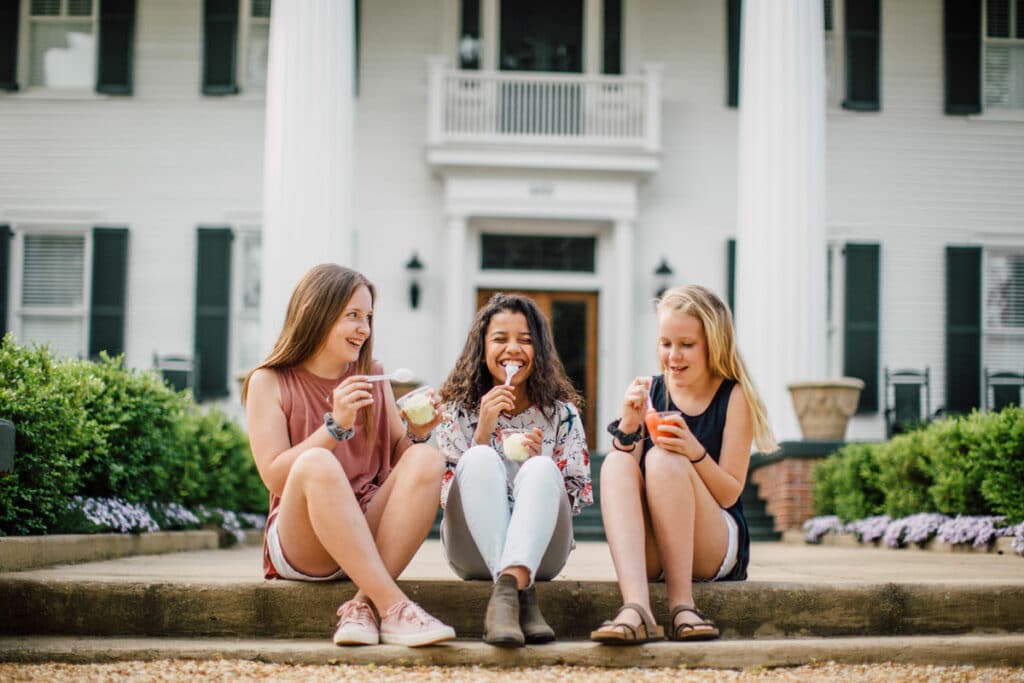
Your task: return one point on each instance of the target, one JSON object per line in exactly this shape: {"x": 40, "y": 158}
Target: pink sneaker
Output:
{"x": 406, "y": 623}
{"x": 357, "y": 625}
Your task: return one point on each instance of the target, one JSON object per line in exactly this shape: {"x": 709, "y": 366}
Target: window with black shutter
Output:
{"x": 213, "y": 310}
{"x": 860, "y": 321}
{"x": 730, "y": 285}
{"x": 962, "y": 33}
{"x": 733, "y": 11}
{"x": 5, "y": 275}
{"x": 117, "y": 30}
{"x": 220, "y": 47}
{"x": 9, "y": 18}
{"x": 612, "y": 59}
{"x": 862, "y": 22}
{"x": 109, "y": 285}
{"x": 963, "y": 329}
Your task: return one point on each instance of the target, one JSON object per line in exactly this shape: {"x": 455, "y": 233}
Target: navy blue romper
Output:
{"x": 708, "y": 427}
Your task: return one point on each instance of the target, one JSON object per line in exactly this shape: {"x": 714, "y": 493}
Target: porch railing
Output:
{"x": 544, "y": 108}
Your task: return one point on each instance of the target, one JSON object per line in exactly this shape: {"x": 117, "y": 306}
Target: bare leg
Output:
{"x": 687, "y": 521}
{"x": 322, "y": 527}
{"x": 625, "y": 525}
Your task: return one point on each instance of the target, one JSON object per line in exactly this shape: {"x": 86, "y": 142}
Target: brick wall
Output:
{"x": 785, "y": 486}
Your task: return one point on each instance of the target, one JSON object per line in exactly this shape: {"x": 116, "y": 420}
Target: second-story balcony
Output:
{"x": 544, "y": 120}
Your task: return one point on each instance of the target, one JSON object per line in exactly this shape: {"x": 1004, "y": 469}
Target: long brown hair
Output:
{"x": 315, "y": 305}
{"x": 470, "y": 379}
{"x": 723, "y": 356}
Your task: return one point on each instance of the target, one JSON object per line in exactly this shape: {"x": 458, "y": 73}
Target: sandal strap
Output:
{"x": 704, "y": 621}
{"x": 622, "y": 625}
{"x": 645, "y": 616}
{"x": 686, "y": 608}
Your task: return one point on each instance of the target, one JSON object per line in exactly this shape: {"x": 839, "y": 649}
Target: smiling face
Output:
{"x": 508, "y": 340}
{"x": 352, "y": 329}
{"x": 682, "y": 348}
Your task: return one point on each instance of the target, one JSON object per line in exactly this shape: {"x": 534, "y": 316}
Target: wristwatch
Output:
{"x": 621, "y": 436}
{"x": 336, "y": 430}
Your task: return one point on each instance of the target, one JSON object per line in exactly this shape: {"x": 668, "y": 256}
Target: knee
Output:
{"x": 316, "y": 464}
{"x": 478, "y": 458}
{"x": 618, "y": 464}
{"x": 541, "y": 468}
{"x": 660, "y": 464}
{"x": 425, "y": 463}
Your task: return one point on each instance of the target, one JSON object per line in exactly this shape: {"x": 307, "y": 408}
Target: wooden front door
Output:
{"x": 573, "y": 318}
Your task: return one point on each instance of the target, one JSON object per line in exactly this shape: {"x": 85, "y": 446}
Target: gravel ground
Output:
{"x": 235, "y": 670}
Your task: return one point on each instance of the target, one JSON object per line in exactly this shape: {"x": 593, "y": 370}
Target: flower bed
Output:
{"x": 978, "y": 531}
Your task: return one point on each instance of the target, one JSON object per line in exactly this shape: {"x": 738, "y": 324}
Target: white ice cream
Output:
{"x": 418, "y": 409}
{"x": 515, "y": 448}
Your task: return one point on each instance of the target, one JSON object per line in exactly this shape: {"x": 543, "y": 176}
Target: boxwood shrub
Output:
{"x": 99, "y": 429}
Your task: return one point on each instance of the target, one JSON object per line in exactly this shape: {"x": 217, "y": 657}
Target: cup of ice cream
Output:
{"x": 513, "y": 444}
{"x": 418, "y": 405}
{"x": 655, "y": 419}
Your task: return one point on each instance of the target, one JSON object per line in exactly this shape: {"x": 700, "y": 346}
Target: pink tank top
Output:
{"x": 304, "y": 401}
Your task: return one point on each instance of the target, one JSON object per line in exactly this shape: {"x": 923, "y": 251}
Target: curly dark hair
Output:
{"x": 470, "y": 379}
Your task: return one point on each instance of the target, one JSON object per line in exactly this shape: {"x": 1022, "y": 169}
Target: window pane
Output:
{"x": 256, "y": 57}
{"x": 537, "y": 252}
{"x": 1004, "y": 291}
{"x": 1020, "y": 19}
{"x": 997, "y": 18}
{"x": 261, "y": 8}
{"x": 1004, "y": 75}
{"x": 53, "y": 270}
{"x": 63, "y": 55}
{"x": 63, "y": 334}
{"x": 45, "y": 8}
{"x": 469, "y": 35}
{"x": 79, "y": 8}
{"x": 829, "y": 20}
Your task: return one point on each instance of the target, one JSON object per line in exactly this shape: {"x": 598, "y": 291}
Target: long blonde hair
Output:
{"x": 723, "y": 357}
{"x": 315, "y": 305}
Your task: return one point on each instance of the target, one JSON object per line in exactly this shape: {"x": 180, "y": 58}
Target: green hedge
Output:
{"x": 104, "y": 430}
{"x": 970, "y": 465}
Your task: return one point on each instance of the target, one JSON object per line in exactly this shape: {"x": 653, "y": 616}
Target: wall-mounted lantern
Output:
{"x": 414, "y": 267}
{"x": 663, "y": 277}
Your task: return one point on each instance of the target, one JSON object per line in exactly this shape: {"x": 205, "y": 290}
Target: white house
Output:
{"x": 862, "y": 207}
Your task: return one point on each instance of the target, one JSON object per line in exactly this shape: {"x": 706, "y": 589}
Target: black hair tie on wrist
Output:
{"x": 700, "y": 458}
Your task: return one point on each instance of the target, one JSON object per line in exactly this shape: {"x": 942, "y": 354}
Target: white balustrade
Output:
{"x": 543, "y": 108}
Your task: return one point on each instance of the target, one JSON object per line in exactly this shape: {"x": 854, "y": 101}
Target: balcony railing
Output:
{"x": 544, "y": 108}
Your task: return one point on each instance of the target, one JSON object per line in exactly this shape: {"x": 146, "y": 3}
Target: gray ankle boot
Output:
{"x": 501, "y": 625}
{"x": 535, "y": 629}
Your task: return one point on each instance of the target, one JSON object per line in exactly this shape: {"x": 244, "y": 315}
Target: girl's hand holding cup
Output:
{"x": 520, "y": 444}
{"x": 419, "y": 410}
{"x": 348, "y": 397}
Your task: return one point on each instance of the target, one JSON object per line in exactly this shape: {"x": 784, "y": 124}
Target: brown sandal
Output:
{"x": 619, "y": 633}
{"x": 704, "y": 629}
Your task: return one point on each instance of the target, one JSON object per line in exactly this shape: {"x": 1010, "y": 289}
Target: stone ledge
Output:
{"x": 1002, "y": 546}
{"x": 18, "y": 553}
{"x": 978, "y": 650}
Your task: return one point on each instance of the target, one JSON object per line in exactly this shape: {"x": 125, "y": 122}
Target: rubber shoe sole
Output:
{"x": 355, "y": 636}
{"x": 437, "y": 634}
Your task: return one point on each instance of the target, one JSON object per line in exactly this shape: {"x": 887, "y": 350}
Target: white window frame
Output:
{"x": 242, "y": 315}
{"x": 1011, "y": 42}
{"x": 988, "y": 253}
{"x": 18, "y": 311}
{"x": 26, "y": 22}
{"x": 835, "y": 54}
{"x": 246, "y": 80}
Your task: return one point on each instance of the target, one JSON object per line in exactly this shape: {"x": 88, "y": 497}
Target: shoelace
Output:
{"x": 356, "y": 611}
{"x": 411, "y": 613}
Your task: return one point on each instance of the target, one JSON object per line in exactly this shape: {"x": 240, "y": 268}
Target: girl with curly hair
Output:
{"x": 509, "y": 506}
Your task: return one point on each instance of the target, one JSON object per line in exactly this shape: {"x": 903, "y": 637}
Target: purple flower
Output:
{"x": 979, "y": 530}
{"x": 870, "y": 529}
{"x": 917, "y": 528}
{"x": 816, "y": 527}
{"x": 114, "y": 514}
{"x": 1018, "y": 539}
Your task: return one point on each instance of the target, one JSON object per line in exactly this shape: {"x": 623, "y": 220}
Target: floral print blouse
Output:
{"x": 564, "y": 442}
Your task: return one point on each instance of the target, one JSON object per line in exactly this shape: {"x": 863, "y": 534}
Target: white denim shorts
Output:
{"x": 285, "y": 570}
{"x": 732, "y": 550}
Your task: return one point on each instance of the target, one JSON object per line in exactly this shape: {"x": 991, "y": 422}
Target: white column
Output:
{"x": 307, "y": 166}
{"x": 780, "y": 243}
{"x": 593, "y": 36}
{"x": 625, "y": 304}
{"x": 489, "y": 26}
{"x": 458, "y": 295}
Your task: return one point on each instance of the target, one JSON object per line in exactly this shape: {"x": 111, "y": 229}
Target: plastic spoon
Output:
{"x": 399, "y": 375}
{"x": 510, "y": 371}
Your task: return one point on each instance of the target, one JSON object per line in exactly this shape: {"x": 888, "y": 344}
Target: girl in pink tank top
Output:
{"x": 353, "y": 491}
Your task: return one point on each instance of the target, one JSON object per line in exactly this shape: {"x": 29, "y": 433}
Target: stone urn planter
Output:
{"x": 824, "y": 407}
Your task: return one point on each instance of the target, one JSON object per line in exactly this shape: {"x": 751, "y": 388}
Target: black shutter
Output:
{"x": 730, "y": 285}
{"x": 109, "y": 277}
{"x": 860, "y": 321}
{"x": 9, "y": 19}
{"x": 612, "y": 62}
{"x": 213, "y": 310}
{"x": 734, "y": 10}
{"x": 962, "y": 29}
{"x": 220, "y": 46}
{"x": 963, "y": 329}
{"x": 863, "y": 19}
{"x": 5, "y": 269}
{"x": 117, "y": 31}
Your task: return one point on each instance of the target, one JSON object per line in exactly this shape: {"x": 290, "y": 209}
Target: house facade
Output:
{"x": 153, "y": 203}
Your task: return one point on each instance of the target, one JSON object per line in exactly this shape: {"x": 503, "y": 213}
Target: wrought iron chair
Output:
{"x": 907, "y": 399}
{"x": 1003, "y": 388}
{"x": 179, "y": 371}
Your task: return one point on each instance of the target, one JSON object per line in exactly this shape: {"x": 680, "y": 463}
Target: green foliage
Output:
{"x": 103, "y": 430}
{"x": 968, "y": 465}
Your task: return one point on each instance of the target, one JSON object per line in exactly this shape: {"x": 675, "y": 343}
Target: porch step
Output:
{"x": 977, "y": 650}
{"x": 760, "y": 523}
{"x": 38, "y": 604}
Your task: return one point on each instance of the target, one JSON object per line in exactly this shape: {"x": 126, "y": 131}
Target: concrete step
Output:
{"x": 74, "y": 606}
{"x": 991, "y": 650}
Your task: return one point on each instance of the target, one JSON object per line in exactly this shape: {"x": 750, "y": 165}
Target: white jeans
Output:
{"x": 482, "y": 536}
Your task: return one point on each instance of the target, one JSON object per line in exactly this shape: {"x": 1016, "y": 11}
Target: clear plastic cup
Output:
{"x": 418, "y": 405}
{"x": 513, "y": 445}
{"x": 654, "y": 419}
